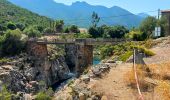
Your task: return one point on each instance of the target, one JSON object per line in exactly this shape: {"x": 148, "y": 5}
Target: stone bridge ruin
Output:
{"x": 79, "y": 52}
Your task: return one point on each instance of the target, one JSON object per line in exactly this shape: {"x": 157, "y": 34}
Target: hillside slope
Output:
{"x": 80, "y": 10}
{"x": 13, "y": 13}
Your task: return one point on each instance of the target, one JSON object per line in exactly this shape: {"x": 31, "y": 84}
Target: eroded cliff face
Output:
{"x": 29, "y": 74}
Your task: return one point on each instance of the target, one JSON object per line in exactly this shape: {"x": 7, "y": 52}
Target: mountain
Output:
{"x": 143, "y": 15}
{"x": 13, "y": 13}
{"x": 79, "y": 13}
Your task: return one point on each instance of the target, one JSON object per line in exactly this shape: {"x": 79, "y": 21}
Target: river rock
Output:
{"x": 98, "y": 70}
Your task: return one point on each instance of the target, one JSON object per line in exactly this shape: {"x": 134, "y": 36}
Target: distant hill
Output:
{"x": 79, "y": 13}
{"x": 13, "y": 13}
{"x": 143, "y": 15}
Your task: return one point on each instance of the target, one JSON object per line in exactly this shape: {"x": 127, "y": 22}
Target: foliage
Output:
{"x": 106, "y": 51}
{"x": 95, "y": 19}
{"x": 163, "y": 23}
{"x": 66, "y": 30}
{"x": 32, "y": 32}
{"x": 136, "y": 35}
{"x": 11, "y": 26}
{"x": 59, "y": 25}
{"x": 42, "y": 96}
{"x": 48, "y": 30}
{"x": 5, "y": 94}
{"x": 125, "y": 56}
{"x": 116, "y": 31}
{"x": 74, "y": 29}
{"x": 145, "y": 51}
{"x": 18, "y": 16}
{"x": 148, "y": 26}
{"x": 95, "y": 32}
{"x": 11, "y": 43}
{"x": 4, "y": 60}
{"x": 20, "y": 26}
{"x": 82, "y": 35}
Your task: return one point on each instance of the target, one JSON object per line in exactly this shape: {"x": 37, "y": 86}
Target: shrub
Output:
{"x": 48, "y": 30}
{"x": 12, "y": 43}
{"x": 145, "y": 51}
{"x": 32, "y": 32}
{"x": 82, "y": 35}
{"x": 136, "y": 35}
{"x": 4, "y": 60}
{"x": 125, "y": 56}
{"x": 74, "y": 29}
{"x": 106, "y": 51}
{"x": 42, "y": 96}
{"x": 5, "y": 94}
{"x": 11, "y": 26}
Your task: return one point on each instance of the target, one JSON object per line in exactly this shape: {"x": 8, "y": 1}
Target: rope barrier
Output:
{"x": 136, "y": 76}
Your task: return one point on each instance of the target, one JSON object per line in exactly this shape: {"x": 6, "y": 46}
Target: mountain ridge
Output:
{"x": 80, "y": 10}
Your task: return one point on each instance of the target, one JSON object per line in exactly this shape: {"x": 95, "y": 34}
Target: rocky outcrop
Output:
{"x": 29, "y": 74}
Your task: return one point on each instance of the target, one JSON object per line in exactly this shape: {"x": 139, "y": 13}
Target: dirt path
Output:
{"x": 113, "y": 85}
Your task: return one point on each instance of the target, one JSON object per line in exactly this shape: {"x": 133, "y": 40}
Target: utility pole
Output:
{"x": 159, "y": 13}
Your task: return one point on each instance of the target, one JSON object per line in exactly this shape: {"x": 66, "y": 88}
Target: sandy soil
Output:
{"x": 113, "y": 85}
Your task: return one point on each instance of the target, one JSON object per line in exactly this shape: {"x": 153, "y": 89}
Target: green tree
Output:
{"x": 95, "y": 19}
{"x": 48, "y": 30}
{"x": 32, "y": 32}
{"x": 163, "y": 24}
{"x": 74, "y": 29}
{"x": 59, "y": 25}
{"x": 93, "y": 32}
{"x": 116, "y": 31}
{"x": 11, "y": 26}
{"x": 66, "y": 30}
{"x": 20, "y": 26}
{"x": 11, "y": 43}
{"x": 148, "y": 26}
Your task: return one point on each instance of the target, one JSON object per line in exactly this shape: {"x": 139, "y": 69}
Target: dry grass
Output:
{"x": 162, "y": 91}
{"x": 129, "y": 78}
{"x": 160, "y": 71}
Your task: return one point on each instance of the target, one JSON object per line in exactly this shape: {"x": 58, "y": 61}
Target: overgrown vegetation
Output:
{"x": 5, "y": 94}
{"x": 45, "y": 95}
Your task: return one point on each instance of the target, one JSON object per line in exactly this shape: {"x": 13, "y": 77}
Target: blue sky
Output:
{"x": 134, "y": 6}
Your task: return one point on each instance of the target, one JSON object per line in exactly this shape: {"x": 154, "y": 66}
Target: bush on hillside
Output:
{"x": 11, "y": 43}
{"x": 11, "y": 26}
{"x": 106, "y": 51}
{"x": 32, "y": 32}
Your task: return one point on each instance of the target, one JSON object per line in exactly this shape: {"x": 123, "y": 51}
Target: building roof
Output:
{"x": 165, "y": 11}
